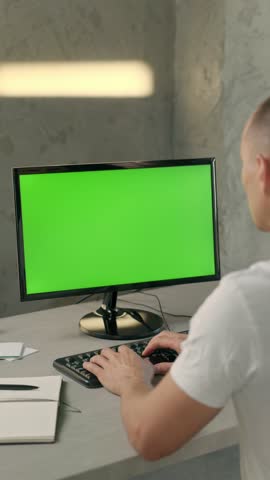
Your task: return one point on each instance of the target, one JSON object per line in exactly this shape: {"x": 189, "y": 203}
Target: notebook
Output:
{"x": 29, "y": 416}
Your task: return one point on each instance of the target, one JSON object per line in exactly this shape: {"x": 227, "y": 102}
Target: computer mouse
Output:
{"x": 161, "y": 355}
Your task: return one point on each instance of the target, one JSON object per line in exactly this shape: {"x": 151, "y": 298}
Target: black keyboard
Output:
{"x": 72, "y": 365}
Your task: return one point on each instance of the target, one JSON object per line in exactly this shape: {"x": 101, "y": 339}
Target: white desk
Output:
{"x": 91, "y": 444}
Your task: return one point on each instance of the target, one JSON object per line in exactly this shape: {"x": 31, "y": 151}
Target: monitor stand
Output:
{"x": 114, "y": 323}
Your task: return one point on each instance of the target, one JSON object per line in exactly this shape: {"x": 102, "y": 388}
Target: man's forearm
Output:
{"x": 134, "y": 409}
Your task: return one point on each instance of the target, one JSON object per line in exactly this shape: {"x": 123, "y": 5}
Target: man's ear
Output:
{"x": 263, "y": 171}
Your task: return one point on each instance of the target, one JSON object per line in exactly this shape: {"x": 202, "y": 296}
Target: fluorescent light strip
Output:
{"x": 115, "y": 79}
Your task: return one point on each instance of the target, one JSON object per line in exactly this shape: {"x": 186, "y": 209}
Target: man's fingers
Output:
{"x": 182, "y": 336}
{"x": 93, "y": 368}
{"x": 123, "y": 348}
{"x": 163, "y": 333}
{"x": 99, "y": 360}
{"x": 162, "y": 368}
{"x": 108, "y": 353}
{"x": 158, "y": 342}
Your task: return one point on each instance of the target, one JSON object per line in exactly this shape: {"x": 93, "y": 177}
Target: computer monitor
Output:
{"x": 110, "y": 227}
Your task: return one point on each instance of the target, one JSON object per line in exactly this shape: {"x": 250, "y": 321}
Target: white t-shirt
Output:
{"x": 227, "y": 354}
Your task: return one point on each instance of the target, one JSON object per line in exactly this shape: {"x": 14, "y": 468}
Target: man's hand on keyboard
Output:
{"x": 164, "y": 339}
{"x": 116, "y": 370}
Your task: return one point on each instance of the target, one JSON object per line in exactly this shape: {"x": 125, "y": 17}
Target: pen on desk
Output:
{"x": 10, "y": 386}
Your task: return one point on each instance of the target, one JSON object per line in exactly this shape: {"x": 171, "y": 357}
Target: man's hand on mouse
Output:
{"x": 117, "y": 370}
{"x": 164, "y": 340}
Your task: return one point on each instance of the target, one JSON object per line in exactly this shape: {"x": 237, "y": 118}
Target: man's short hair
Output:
{"x": 261, "y": 116}
{"x": 258, "y": 126}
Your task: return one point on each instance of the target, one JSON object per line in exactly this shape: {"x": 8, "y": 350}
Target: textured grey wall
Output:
{"x": 198, "y": 112}
{"x": 53, "y": 131}
{"x": 246, "y": 78}
{"x": 199, "y": 50}
{"x": 222, "y": 71}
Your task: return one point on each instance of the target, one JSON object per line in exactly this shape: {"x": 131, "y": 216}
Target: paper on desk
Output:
{"x": 26, "y": 351}
{"x": 11, "y": 349}
{"x": 48, "y": 389}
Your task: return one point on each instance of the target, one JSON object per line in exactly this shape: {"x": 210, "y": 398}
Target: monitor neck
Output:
{"x": 108, "y": 311}
{"x": 114, "y": 323}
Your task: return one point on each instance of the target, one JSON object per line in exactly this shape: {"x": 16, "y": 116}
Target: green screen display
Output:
{"x": 92, "y": 229}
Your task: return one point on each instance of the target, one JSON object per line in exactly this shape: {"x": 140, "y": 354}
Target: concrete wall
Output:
{"x": 222, "y": 72}
{"x": 198, "y": 113}
{"x": 198, "y": 105}
{"x": 199, "y": 51}
{"x": 246, "y": 79}
{"x": 53, "y": 131}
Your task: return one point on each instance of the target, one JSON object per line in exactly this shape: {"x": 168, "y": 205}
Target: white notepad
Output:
{"x": 29, "y": 416}
{"x": 11, "y": 349}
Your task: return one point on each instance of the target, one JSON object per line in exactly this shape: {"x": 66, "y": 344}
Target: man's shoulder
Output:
{"x": 235, "y": 296}
{"x": 251, "y": 278}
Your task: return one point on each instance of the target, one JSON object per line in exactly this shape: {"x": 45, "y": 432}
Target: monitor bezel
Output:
{"x": 24, "y": 296}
